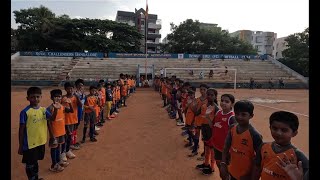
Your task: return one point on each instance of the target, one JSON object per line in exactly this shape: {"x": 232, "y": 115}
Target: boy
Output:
{"x": 241, "y": 145}
{"x": 283, "y": 126}
{"x": 90, "y": 114}
{"x": 189, "y": 117}
{"x": 197, "y": 120}
{"x": 58, "y": 129}
{"x": 79, "y": 93}
{"x": 33, "y": 132}
{"x": 71, "y": 120}
{"x": 109, "y": 98}
{"x": 103, "y": 101}
{"x": 124, "y": 93}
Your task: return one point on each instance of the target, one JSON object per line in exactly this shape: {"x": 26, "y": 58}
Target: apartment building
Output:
{"x": 262, "y": 41}
{"x": 279, "y": 45}
{"x": 153, "y": 26}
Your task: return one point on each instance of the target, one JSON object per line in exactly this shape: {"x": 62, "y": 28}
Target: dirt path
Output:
{"x": 141, "y": 143}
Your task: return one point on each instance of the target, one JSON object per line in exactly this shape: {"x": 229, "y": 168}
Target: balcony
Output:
{"x": 153, "y": 44}
{"x": 154, "y": 26}
{"x": 153, "y": 35}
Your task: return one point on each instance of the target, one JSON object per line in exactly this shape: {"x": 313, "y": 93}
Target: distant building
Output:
{"x": 209, "y": 26}
{"x": 279, "y": 45}
{"x": 137, "y": 19}
{"x": 165, "y": 40}
{"x": 262, "y": 41}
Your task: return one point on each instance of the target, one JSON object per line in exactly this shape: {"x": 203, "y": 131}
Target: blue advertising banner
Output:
{"x": 62, "y": 54}
{"x": 226, "y": 56}
{"x": 141, "y": 55}
{"x": 186, "y": 56}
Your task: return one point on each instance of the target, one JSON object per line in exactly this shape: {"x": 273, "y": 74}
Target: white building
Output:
{"x": 262, "y": 41}
{"x": 279, "y": 45}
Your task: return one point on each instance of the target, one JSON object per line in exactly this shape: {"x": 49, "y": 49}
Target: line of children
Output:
{"x": 61, "y": 119}
{"x": 234, "y": 143}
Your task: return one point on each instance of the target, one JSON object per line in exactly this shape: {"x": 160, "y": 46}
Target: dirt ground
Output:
{"x": 143, "y": 143}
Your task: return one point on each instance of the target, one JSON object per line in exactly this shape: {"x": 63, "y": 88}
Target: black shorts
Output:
{"x": 217, "y": 154}
{"x": 206, "y": 132}
{"x": 89, "y": 118}
{"x": 70, "y": 128}
{"x": 60, "y": 139}
{"x": 31, "y": 156}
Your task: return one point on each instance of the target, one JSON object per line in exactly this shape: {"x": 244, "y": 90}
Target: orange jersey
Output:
{"x": 199, "y": 119}
{"x": 241, "y": 153}
{"x": 91, "y": 101}
{"x": 189, "y": 116}
{"x": 71, "y": 118}
{"x": 118, "y": 93}
{"x": 103, "y": 96}
{"x": 212, "y": 114}
{"x": 270, "y": 170}
{"x": 58, "y": 124}
{"x": 163, "y": 89}
{"x": 124, "y": 90}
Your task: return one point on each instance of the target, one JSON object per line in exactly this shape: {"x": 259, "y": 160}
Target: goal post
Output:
{"x": 219, "y": 69}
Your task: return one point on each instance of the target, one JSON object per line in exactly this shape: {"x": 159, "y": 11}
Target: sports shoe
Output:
{"x": 184, "y": 128}
{"x": 96, "y": 128}
{"x": 78, "y": 144}
{"x": 56, "y": 168}
{"x": 201, "y": 166}
{"x": 63, "y": 156}
{"x": 70, "y": 155}
{"x": 93, "y": 139}
{"x": 207, "y": 170}
{"x": 184, "y": 133}
{"x": 95, "y": 133}
{"x": 74, "y": 147}
{"x": 179, "y": 123}
{"x": 99, "y": 124}
{"x": 64, "y": 163}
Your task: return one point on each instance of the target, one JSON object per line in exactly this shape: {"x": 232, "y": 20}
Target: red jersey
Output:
{"x": 220, "y": 128}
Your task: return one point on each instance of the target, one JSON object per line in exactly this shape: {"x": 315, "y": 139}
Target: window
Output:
{"x": 142, "y": 22}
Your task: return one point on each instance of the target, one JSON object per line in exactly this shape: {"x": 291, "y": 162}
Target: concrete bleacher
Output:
{"x": 90, "y": 69}
{"x": 40, "y": 69}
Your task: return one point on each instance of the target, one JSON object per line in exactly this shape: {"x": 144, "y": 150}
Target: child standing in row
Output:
{"x": 58, "y": 129}
{"x": 241, "y": 145}
{"x": 71, "y": 119}
{"x": 33, "y": 129}
{"x": 283, "y": 126}
{"x": 90, "y": 114}
{"x": 207, "y": 116}
{"x": 222, "y": 122}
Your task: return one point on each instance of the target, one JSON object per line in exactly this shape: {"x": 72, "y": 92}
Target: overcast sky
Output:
{"x": 283, "y": 17}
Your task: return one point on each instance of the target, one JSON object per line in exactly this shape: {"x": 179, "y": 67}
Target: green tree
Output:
{"x": 190, "y": 37}
{"x": 39, "y": 29}
{"x": 296, "y": 56}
